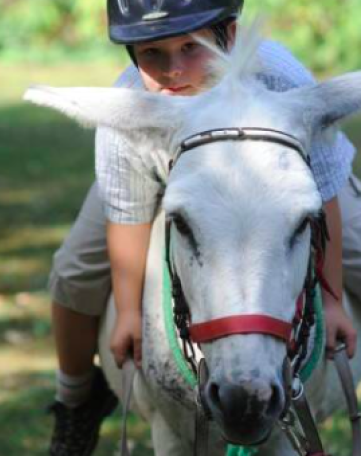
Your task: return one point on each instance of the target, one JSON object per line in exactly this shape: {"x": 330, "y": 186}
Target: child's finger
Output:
{"x": 120, "y": 356}
{"x": 330, "y": 344}
{"x": 119, "y": 359}
{"x": 351, "y": 344}
{"x": 119, "y": 352}
{"x": 138, "y": 352}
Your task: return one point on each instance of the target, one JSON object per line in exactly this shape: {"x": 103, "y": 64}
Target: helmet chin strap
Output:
{"x": 131, "y": 53}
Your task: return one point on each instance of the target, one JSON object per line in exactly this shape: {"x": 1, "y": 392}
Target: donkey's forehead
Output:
{"x": 237, "y": 176}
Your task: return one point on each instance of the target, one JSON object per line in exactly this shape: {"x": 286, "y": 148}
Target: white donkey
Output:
{"x": 239, "y": 242}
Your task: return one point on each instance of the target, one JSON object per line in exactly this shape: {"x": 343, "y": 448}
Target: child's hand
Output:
{"x": 338, "y": 327}
{"x": 127, "y": 338}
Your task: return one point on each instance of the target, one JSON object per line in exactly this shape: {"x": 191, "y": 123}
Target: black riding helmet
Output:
{"x": 137, "y": 21}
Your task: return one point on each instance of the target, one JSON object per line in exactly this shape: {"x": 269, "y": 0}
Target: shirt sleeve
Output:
{"x": 130, "y": 192}
{"x": 331, "y": 162}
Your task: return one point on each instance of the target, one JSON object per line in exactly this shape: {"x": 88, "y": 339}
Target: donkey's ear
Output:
{"x": 122, "y": 109}
{"x": 331, "y": 101}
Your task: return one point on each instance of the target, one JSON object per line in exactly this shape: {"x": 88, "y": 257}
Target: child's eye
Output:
{"x": 150, "y": 52}
{"x": 190, "y": 47}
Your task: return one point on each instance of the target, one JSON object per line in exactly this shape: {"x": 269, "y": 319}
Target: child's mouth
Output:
{"x": 176, "y": 89}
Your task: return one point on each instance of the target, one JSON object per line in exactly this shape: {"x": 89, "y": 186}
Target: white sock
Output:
{"x": 73, "y": 390}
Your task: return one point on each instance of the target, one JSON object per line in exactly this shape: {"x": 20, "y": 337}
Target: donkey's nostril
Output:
{"x": 275, "y": 402}
{"x": 213, "y": 392}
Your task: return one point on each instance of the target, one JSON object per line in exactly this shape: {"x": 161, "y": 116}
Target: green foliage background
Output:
{"x": 326, "y": 35}
{"x": 48, "y": 30}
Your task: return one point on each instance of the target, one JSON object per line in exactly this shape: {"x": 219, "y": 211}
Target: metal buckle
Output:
{"x": 289, "y": 426}
{"x": 202, "y": 375}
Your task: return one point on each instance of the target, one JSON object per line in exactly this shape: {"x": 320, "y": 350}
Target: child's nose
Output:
{"x": 174, "y": 68}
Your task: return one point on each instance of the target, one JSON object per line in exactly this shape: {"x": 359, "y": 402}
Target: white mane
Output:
{"x": 243, "y": 60}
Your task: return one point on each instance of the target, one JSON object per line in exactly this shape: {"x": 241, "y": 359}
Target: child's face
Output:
{"x": 174, "y": 66}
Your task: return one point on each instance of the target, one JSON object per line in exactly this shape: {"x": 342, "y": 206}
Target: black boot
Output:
{"x": 76, "y": 430}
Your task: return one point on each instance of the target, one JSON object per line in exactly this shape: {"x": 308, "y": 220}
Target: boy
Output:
{"x": 168, "y": 61}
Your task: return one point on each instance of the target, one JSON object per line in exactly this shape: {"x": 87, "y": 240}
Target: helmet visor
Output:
{"x": 154, "y": 30}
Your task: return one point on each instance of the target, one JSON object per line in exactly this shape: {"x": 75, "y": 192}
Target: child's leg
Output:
{"x": 80, "y": 284}
{"x": 350, "y": 204}
{"x": 76, "y": 338}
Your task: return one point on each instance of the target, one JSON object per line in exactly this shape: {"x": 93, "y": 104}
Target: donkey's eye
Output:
{"x": 302, "y": 227}
{"x": 181, "y": 225}
{"x": 186, "y": 231}
{"x": 299, "y": 231}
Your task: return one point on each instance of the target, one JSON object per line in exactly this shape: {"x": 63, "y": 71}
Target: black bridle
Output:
{"x": 182, "y": 315}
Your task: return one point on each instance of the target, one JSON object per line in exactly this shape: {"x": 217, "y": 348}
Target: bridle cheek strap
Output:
{"x": 240, "y": 324}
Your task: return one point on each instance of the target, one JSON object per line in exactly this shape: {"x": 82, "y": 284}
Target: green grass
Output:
{"x": 46, "y": 167}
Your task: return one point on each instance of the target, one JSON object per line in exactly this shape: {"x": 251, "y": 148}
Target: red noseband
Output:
{"x": 240, "y": 324}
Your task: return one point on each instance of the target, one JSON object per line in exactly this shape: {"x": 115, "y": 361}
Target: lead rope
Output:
{"x": 128, "y": 373}
{"x": 203, "y": 415}
{"x": 307, "y": 442}
{"x": 348, "y": 386}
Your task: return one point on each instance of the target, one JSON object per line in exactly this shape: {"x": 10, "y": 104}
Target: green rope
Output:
{"x": 240, "y": 451}
{"x": 181, "y": 363}
{"x": 319, "y": 342}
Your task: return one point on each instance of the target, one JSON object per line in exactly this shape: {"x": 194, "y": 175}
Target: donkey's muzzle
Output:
{"x": 245, "y": 410}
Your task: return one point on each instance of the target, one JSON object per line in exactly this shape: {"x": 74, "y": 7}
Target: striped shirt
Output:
{"x": 128, "y": 185}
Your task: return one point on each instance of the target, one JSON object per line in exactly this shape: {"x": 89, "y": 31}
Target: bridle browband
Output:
{"x": 240, "y": 134}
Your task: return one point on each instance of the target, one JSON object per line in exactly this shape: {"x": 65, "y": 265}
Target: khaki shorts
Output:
{"x": 80, "y": 278}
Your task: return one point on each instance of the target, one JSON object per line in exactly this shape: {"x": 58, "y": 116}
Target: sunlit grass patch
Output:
{"x": 26, "y": 237}
{"x": 24, "y": 323}
{"x": 26, "y": 255}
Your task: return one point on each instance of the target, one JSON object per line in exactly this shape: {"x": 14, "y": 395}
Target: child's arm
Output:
{"x": 128, "y": 248}
{"x": 338, "y": 325}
